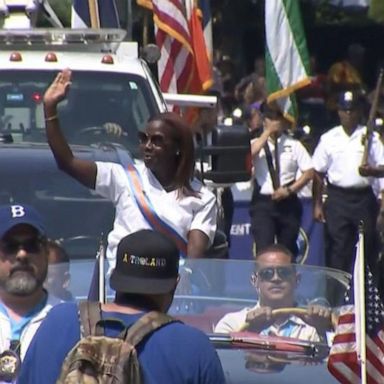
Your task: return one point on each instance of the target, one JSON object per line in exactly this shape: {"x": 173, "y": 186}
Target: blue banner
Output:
{"x": 95, "y": 14}
{"x": 310, "y": 240}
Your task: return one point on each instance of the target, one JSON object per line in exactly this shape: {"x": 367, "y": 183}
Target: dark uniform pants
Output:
{"x": 344, "y": 209}
{"x": 280, "y": 219}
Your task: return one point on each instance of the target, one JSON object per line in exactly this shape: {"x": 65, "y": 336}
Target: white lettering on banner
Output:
{"x": 240, "y": 229}
{"x": 17, "y": 211}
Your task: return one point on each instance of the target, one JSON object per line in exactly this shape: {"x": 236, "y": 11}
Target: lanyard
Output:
{"x": 18, "y": 326}
{"x": 274, "y": 171}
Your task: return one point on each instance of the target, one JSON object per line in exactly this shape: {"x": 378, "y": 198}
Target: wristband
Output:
{"x": 289, "y": 190}
{"x": 51, "y": 118}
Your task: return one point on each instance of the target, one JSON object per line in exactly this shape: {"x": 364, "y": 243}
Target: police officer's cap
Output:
{"x": 270, "y": 109}
{"x": 350, "y": 100}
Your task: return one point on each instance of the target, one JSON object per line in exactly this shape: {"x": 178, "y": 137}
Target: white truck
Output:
{"x": 111, "y": 85}
{"x": 110, "y": 82}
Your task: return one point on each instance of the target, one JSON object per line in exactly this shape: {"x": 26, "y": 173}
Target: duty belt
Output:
{"x": 350, "y": 190}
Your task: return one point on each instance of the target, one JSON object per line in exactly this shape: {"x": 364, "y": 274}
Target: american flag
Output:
{"x": 175, "y": 67}
{"x": 343, "y": 360}
{"x": 179, "y": 34}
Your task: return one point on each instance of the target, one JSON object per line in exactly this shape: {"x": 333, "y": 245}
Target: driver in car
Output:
{"x": 91, "y": 113}
{"x": 276, "y": 313}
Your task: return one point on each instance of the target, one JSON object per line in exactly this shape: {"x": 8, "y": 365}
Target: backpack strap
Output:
{"x": 145, "y": 325}
{"x": 90, "y": 316}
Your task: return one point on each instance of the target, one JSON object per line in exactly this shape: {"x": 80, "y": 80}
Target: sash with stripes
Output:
{"x": 148, "y": 211}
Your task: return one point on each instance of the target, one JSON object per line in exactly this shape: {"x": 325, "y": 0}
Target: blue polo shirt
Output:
{"x": 175, "y": 353}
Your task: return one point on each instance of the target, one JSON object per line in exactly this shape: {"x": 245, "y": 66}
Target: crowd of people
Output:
{"x": 164, "y": 212}
{"x": 318, "y": 155}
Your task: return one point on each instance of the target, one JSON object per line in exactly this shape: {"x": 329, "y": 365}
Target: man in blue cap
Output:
{"x": 350, "y": 198}
{"x": 23, "y": 268}
{"x": 145, "y": 280}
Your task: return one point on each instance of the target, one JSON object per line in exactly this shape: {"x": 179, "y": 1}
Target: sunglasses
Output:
{"x": 12, "y": 246}
{"x": 157, "y": 140}
{"x": 284, "y": 273}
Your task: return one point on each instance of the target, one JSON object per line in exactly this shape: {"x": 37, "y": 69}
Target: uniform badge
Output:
{"x": 9, "y": 366}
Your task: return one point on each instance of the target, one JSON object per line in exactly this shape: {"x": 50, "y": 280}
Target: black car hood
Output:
{"x": 73, "y": 213}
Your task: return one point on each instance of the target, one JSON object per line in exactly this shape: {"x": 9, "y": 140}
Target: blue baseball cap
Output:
{"x": 12, "y": 215}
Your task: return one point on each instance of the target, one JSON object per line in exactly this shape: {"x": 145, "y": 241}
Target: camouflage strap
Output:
{"x": 92, "y": 323}
{"x": 90, "y": 316}
{"x": 145, "y": 325}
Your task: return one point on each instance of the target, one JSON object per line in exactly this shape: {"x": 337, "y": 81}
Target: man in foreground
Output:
{"x": 23, "y": 268}
{"x": 275, "y": 280}
{"x": 145, "y": 279}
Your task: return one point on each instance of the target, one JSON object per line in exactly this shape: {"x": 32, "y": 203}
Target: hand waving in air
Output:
{"x": 58, "y": 88}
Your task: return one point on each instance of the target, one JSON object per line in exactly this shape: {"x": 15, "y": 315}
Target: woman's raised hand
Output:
{"x": 58, "y": 88}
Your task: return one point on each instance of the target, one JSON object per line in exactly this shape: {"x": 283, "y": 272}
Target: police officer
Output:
{"x": 350, "y": 198}
{"x": 275, "y": 208}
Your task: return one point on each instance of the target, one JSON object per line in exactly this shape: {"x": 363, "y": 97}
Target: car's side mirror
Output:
{"x": 229, "y": 155}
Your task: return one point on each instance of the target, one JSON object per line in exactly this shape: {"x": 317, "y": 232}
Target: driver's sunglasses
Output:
{"x": 156, "y": 139}
{"x": 32, "y": 245}
{"x": 284, "y": 273}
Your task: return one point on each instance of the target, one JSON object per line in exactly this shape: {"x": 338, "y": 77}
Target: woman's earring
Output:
{"x": 178, "y": 152}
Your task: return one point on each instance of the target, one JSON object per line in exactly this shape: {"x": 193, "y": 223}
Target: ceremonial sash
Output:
{"x": 149, "y": 212}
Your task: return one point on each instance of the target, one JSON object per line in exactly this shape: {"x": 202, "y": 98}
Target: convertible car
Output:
{"x": 211, "y": 288}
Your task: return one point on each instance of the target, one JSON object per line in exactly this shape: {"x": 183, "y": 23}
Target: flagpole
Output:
{"x": 129, "y": 27}
{"x": 101, "y": 261}
{"x": 93, "y": 13}
{"x": 145, "y": 28}
{"x": 359, "y": 292}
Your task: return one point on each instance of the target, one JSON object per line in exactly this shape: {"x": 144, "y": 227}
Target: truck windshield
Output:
{"x": 94, "y": 99}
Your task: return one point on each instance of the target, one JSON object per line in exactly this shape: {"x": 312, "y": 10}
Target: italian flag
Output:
{"x": 287, "y": 59}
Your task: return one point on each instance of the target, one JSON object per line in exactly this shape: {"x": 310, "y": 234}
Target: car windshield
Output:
{"x": 94, "y": 99}
{"x": 210, "y": 289}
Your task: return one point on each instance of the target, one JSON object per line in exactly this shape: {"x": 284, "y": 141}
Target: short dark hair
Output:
{"x": 275, "y": 248}
{"x": 147, "y": 302}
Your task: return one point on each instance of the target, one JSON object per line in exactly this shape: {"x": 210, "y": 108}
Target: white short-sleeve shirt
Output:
{"x": 293, "y": 157}
{"x": 292, "y": 327}
{"x": 339, "y": 156}
{"x": 183, "y": 213}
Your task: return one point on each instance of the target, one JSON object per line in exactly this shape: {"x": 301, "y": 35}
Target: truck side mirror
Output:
{"x": 229, "y": 155}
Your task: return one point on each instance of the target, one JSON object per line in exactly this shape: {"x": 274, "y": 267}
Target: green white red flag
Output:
{"x": 287, "y": 59}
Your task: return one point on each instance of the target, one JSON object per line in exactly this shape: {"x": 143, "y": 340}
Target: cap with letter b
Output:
{"x": 12, "y": 215}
